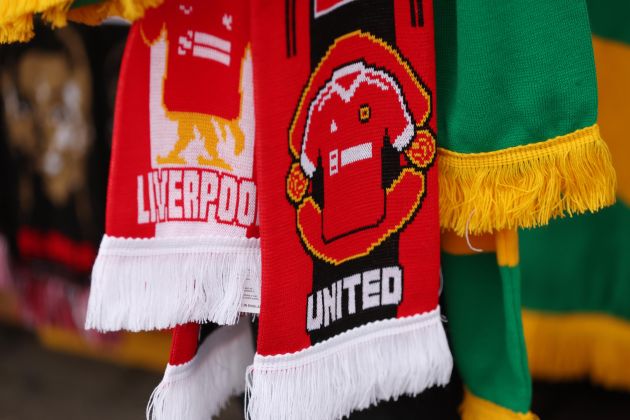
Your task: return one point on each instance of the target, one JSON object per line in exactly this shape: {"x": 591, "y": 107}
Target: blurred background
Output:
{"x": 56, "y": 113}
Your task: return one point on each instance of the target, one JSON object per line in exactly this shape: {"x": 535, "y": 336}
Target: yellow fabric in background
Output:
{"x": 145, "y": 350}
{"x": 612, "y": 60}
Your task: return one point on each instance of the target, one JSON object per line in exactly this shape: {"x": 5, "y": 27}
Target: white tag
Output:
{"x": 251, "y": 296}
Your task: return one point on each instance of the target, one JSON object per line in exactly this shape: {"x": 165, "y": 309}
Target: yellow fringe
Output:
{"x": 10, "y": 10}
{"x": 16, "y": 17}
{"x": 525, "y": 186}
{"x": 94, "y": 14}
{"x": 577, "y": 346}
{"x": 20, "y": 30}
{"x": 475, "y": 408}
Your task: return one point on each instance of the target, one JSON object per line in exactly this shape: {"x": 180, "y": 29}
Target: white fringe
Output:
{"x": 352, "y": 371}
{"x": 199, "y": 389}
{"x": 157, "y": 283}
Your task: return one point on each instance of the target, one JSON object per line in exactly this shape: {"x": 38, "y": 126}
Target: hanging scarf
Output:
{"x": 181, "y": 216}
{"x": 519, "y": 145}
{"x": 206, "y": 366}
{"x": 577, "y": 317}
{"x": 348, "y": 181}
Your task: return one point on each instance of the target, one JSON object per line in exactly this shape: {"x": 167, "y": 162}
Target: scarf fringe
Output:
{"x": 16, "y": 17}
{"x": 378, "y": 361}
{"x": 475, "y": 408}
{"x": 199, "y": 389}
{"x": 576, "y": 346}
{"x": 525, "y": 186}
{"x": 144, "y": 284}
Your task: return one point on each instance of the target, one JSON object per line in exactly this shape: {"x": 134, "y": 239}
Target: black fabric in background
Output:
{"x": 104, "y": 47}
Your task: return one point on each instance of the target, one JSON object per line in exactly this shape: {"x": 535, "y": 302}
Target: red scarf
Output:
{"x": 182, "y": 213}
{"x": 349, "y": 219}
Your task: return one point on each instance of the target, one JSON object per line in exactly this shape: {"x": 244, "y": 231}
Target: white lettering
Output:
{"x": 314, "y": 317}
{"x": 143, "y": 213}
{"x": 174, "y": 195}
{"x": 329, "y": 305}
{"x": 209, "y": 193}
{"x": 191, "y": 194}
{"x": 391, "y": 286}
{"x": 350, "y": 284}
{"x": 161, "y": 181}
{"x": 377, "y": 287}
{"x": 246, "y": 203}
{"x": 227, "y": 198}
{"x": 151, "y": 196}
{"x": 338, "y": 294}
{"x": 371, "y": 289}
{"x": 199, "y": 195}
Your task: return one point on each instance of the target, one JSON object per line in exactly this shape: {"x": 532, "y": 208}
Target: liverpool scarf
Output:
{"x": 182, "y": 220}
{"x": 577, "y": 272}
{"x": 348, "y": 185}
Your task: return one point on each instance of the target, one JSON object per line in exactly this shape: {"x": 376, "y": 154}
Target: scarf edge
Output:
{"x": 134, "y": 282}
{"x": 378, "y": 361}
{"x": 525, "y": 186}
{"x": 477, "y": 408}
{"x": 200, "y": 388}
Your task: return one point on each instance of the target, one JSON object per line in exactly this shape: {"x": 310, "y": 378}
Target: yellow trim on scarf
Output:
{"x": 576, "y": 346}
{"x": 475, "y": 408}
{"x": 16, "y": 16}
{"x": 525, "y": 186}
{"x": 507, "y": 247}
{"x": 612, "y": 60}
{"x": 146, "y": 350}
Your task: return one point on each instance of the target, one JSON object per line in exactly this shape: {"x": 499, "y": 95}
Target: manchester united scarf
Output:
{"x": 348, "y": 187}
{"x": 182, "y": 220}
{"x": 577, "y": 272}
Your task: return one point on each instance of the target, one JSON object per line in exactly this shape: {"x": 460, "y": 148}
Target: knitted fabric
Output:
{"x": 518, "y": 140}
{"x": 482, "y": 282}
{"x": 180, "y": 242}
{"x": 348, "y": 187}
{"x": 577, "y": 317}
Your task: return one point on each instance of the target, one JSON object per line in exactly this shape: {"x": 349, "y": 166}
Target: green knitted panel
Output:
{"x": 610, "y": 19}
{"x": 484, "y": 322}
{"x": 579, "y": 264}
{"x": 510, "y": 74}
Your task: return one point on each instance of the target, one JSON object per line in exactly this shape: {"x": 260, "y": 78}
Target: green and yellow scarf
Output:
{"x": 519, "y": 146}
